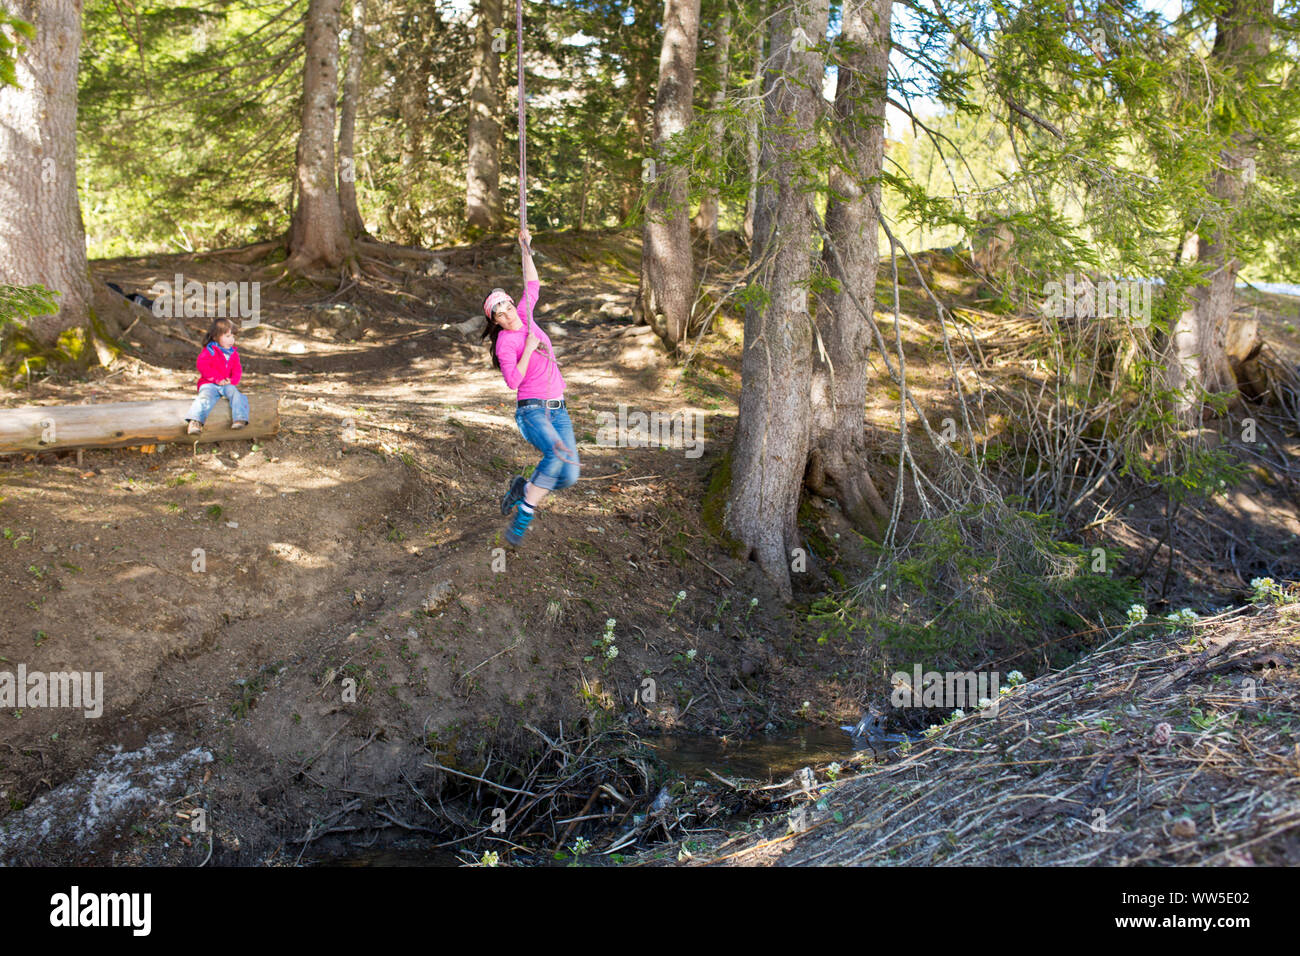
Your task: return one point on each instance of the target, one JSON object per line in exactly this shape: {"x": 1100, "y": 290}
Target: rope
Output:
{"x": 523, "y": 143}
{"x": 523, "y": 146}
{"x": 560, "y": 449}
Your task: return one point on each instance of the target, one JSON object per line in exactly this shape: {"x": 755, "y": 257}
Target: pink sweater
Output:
{"x": 213, "y": 366}
{"x": 543, "y": 379}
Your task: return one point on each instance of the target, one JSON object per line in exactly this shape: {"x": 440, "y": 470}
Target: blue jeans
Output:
{"x": 544, "y": 428}
{"x": 208, "y": 397}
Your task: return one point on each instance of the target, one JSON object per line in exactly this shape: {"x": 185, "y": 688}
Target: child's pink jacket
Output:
{"x": 213, "y": 366}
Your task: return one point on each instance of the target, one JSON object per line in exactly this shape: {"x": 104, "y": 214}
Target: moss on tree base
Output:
{"x": 75, "y": 350}
{"x": 714, "y": 505}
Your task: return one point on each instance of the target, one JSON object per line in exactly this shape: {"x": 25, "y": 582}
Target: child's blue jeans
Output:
{"x": 543, "y": 427}
{"x": 208, "y": 397}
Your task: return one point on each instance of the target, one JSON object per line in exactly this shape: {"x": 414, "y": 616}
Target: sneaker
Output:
{"x": 514, "y": 495}
{"x": 524, "y": 516}
{"x": 195, "y": 427}
{"x": 236, "y": 425}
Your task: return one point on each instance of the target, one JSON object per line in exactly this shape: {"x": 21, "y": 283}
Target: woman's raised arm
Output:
{"x": 525, "y": 245}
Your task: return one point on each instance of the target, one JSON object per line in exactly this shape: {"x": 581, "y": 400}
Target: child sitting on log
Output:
{"x": 219, "y": 373}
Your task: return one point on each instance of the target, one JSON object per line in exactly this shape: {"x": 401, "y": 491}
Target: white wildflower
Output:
{"x": 1265, "y": 589}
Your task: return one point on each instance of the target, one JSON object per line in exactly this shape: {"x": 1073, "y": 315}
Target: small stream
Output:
{"x": 766, "y": 759}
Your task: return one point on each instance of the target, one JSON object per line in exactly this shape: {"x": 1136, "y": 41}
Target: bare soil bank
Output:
{"x": 357, "y": 621}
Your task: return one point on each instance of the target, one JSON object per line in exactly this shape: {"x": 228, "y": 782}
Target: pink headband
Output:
{"x": 496, "y": 297}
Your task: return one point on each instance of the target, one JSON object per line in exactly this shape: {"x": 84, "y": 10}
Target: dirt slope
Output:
{"x": 356, "y": 618}
{"x": 363, "y": 544}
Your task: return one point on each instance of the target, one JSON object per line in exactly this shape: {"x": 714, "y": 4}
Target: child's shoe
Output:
{"x": 514, "y": 494}
{"x": 196, "y": 426}
{"x": 238, "y": 425}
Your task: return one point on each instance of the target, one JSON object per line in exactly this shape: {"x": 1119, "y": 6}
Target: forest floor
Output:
{"x": 361, "y": 548}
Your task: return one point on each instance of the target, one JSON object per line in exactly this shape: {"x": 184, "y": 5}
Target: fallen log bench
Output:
{"x": 118, "y": 424}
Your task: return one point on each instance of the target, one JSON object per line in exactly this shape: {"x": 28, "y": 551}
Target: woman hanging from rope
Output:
{"x": 523, "y": 353}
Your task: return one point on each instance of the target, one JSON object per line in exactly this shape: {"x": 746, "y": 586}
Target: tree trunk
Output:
{"x": 667, "y": 269}
{"x": 755, "y": 110}
{"x": 640, "y": 108}
{"x": 1243, "y": 34}
{"x": 42, "y": 239}
{"x": 411, "y": 107}
{"x": 352, "y": 221}
{"x": 641, "y": 66}
{"x": 839, "y": 389}
{"x": 642, "y": 70}
{"x": 706, "y": 220}
{"x": 584, "y": 192}
{"x": 317, "y": 236}
{"x": 120, "y": 424}
{"x": 483, "y": 194}
{"x": 772, "y": 431}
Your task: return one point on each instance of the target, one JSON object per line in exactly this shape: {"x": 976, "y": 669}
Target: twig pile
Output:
{"x": 1174, "y": 750}
{"x": 1278, "y": 380}
{"x": 598, "y": 784}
